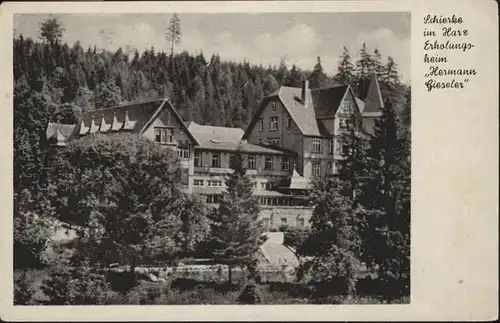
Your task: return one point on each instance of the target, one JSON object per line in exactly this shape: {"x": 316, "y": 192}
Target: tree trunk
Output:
{"x": 230, "y": 276}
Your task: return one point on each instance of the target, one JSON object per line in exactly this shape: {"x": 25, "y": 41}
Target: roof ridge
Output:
{"x": 128, "y": 105}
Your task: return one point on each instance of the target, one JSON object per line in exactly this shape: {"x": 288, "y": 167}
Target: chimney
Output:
{"x": 306, "y": 94}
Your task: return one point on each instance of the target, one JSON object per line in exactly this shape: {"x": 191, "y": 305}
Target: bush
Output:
{"x": 23, "y": 292}
{"x": 251, "y": 294}
{"x": 76, "y": 286}
{"x": 295, "y": 237}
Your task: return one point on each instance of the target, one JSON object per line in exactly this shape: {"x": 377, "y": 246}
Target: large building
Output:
{"x": 293, "y": 137}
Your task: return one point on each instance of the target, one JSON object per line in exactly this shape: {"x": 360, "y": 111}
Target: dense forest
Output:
{"x": 206, "y": 90}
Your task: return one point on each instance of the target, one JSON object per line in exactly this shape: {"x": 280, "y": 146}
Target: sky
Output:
{"x": 260, "y": 38}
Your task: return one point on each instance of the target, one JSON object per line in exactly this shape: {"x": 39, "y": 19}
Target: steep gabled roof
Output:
{"x": 327, "y": 100}
{"x": 136, "y": 118}
{"x": 303, "y": 116}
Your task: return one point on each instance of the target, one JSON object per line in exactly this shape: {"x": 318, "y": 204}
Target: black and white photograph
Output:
{"x": 211, "y": 158}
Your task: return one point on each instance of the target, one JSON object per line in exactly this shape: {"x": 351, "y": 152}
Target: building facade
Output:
{"x": 293, "y": 137}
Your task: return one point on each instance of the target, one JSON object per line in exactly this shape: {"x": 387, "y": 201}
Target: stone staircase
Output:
{"x": 276, "y": 253}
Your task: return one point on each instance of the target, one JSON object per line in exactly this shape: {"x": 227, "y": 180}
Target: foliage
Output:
{"x": 23, "y": 291}
{"x": 207, "y": 90}
{"x": 121, "y": 194}
{"x": 51, "y": 30}
{"x": 236, "y": 232}
{"x": 318, "y": 78}
{"x": 345, "y": 69}
{"x": 195, "y": 227}
{"x": 294, "y": 236}
{"x": 387, "y": 245}
{"x": 75, "y": 284}
{"x": 32, "y": 229}
{"x": 334, "y": 244}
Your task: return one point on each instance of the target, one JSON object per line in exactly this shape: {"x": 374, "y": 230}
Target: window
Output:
{"x": 331, "y": 146}
{"x": 317, "y": 169}
{"x": 274, "y": 141}
{"x": 288, "y": 122}
{"x": 273, "y": 124}
{"x": 269, "y": 163}
{"x": 210, "y": 198}
{"x": 164, "y": 135}
{"x": 316, "y": 145}
{"x": 216, "y": 160}
{"x": 261, "y": 125}
{"x": 342, "y": 124}
{"x": 183, "y": 153}
{"x": 300, "y": 222}
{"x": 198, "y": 182}
{"x": 346, "y": 106}
{"x": 213, "y": 183}
{"x": 283, "y": 221}
{"x": 269, "y": 186}
{"x": 197, "y": 159}
{"x": 255, "y": 185}
{"x": 251, "y": 162}
{"x": 262, "y": 185}
{"x": 285, "y": 164}
{"x": 274, "y": 106}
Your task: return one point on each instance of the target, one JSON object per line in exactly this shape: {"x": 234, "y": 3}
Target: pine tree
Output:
{"x": 391, "y": 84}
{"x": 294, "y": 78}
{"x": 363, "y": 64}
{"x": 364, "y": 67}
{"x": 352, "y": 168}
{"x": 387, "y": 244}
{"x": 345, "y": 69}
{"x": 237, "y": 233}
{"x": 318, "y": 78}
{"x": 173, "y": 34}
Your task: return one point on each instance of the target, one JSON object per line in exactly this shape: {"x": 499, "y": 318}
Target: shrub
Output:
{"x": 295, "y": 237}
{"x": 251, "y": 294}
{"x": 75, "y": 286}
{"x": 23, "y": 292}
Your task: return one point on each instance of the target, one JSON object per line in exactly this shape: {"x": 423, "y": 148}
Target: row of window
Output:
{"x": 210, "y": 183}
{"x": 277, "y": 201}
{"x": 274, "y": 123}
{"x": 164, "y": 135}
{"x": 251, "y": 161}
{"x": 316, "y": 168}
